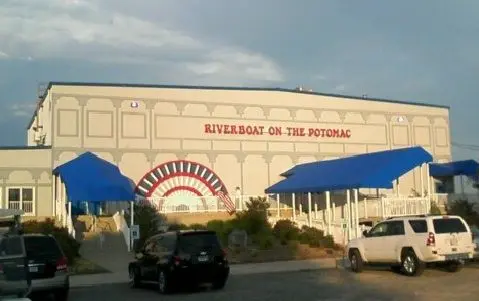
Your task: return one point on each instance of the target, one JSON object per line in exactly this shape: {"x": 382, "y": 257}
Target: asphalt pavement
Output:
{"x": 325, "y": 285}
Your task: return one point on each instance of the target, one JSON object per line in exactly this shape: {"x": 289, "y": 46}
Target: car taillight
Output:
{"x": 62, "y": 264}
{"x": 176, "y": 260}
{"x": 431, "y": 240}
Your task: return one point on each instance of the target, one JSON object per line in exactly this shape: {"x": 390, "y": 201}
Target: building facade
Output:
{"x": 182, "y": 140}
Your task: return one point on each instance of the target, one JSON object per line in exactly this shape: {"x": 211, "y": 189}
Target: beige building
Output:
{"x": 183, "y": 140}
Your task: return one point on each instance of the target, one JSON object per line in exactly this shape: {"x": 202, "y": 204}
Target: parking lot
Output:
{"x": 331, "y": 285}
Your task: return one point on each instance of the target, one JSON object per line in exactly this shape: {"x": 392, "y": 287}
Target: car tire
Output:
{"x": 454, "y": 266}
{"x": 62, "y": 294}
{"x": 219, "y": 284}
{"x": 357, "y": 264}
{"x": 133, "y": 278}
{"x": 411, "y": 265}
{"x": 164, "y": 284}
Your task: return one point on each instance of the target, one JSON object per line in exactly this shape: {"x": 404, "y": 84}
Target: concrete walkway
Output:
{"x": 236, "y": 269}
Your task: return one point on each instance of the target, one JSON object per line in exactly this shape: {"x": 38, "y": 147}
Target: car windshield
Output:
{"x": 194, "y": 242}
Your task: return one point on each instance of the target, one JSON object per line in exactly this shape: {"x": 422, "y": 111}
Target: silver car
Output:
{"x": 475, "y": 237}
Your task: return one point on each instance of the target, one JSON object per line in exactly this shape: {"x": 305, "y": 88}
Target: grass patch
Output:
{"x": 83, "y": 266}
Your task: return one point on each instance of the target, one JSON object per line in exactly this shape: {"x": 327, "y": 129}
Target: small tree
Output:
{"x": 435, "y": 209}
{"x": 147, "y": 217}
{"x": 464, "y": 209}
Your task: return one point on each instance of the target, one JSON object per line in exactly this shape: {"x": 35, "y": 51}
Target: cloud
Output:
{"x": 22, "y": 109}
{"x": 81, "y": 29}
{"x": 3, "y": 55}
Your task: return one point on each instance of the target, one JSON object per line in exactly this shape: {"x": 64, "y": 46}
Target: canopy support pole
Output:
{"x": 429, "y": 192}
{"x": 356, "y": 204}
{"x": 278, "y": 210}
{"x": 293, "y": 205}
{"x": 348, "y": 202}
{"x": 310, "y": 216}
{"x": 397, "y": 187}
{"x": 132, "y": 222}
{"x": 463, "y": 195}
{"x": 328, "y": 211}
{"x": 422, "y": 180}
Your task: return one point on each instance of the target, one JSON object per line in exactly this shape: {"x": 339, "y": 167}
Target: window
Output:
{"x": 418, "y": 226}
{"x": 42, "y": 247}
{"x": 21, "y": 198}
{"x": 194, "y": 242}
{"x": 379, "y": 230}
{"x": 448, "y": 225}
{"x": 396, "y": 228}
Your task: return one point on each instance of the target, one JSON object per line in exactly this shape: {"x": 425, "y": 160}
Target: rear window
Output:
{"x": 194, "y": 242}
{"x": 42, "y": 246}
{"x": 418, "y": 226}
{"x": 448, "y": 225}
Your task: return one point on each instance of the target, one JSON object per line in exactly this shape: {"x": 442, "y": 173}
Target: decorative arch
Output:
{"x": 182, "y": 178}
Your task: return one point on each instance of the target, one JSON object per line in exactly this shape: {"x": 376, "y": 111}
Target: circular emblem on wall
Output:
{"x": 181, "y": 179}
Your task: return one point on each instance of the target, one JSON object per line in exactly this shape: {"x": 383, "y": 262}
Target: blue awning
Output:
{"x": 89, "y": 178}
{"x": 468, "y": 168}
{"x": 371, "y": 170}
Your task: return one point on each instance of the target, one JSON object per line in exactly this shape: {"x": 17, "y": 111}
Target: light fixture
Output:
{"x": 134, "y": 104}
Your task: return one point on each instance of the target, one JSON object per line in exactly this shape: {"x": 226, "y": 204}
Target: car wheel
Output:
{"x": 61, "y": 295}
{"x": 133, "y": 278}
{"x": 411, "y": 265}
{"x": 163, "y": 283}
{"x": 219, "y": 284}
{"x": 356, "y": 261}
{"x": 454, "y": 266}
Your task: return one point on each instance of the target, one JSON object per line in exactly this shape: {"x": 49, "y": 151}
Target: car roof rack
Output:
{"x": 413, "y": 215}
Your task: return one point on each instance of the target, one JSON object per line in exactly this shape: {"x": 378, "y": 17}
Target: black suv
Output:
{"x": 47, "y": 264}
{"x": 186, "y": 258}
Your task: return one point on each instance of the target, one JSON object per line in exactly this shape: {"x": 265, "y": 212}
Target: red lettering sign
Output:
{"x": 256, "y": 130}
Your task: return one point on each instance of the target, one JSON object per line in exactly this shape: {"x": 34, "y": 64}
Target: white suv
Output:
{"x": 407, "y": 243}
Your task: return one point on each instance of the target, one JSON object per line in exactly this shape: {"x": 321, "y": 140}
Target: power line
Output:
{"x": 471, "y": 147}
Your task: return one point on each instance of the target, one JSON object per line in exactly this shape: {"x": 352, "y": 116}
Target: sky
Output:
{"x": 406, "y": 50}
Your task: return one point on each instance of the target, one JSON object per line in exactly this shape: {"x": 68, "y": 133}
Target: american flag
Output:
{"x": 229, "y": 205}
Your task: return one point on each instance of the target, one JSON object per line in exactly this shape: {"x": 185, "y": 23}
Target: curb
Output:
{"x": 84, "y": 281}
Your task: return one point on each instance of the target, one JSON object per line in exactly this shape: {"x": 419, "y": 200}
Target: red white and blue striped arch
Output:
{"x": 183, "y": 179}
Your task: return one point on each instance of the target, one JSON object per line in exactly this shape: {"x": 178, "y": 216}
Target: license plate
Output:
{"x": 33, "y": 269}
{"x": 203, "y": 258}
{"x": 457, "y": 256}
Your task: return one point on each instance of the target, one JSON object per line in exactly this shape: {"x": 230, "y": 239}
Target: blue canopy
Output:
{"x": 371, "y": 170}
{"x": 89, "y": 178}
{"x": 468, "y": 168}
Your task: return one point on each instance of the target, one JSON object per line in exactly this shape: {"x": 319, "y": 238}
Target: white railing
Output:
{"x": 122, "y": 226}
{"x": 190, "y": 204}
{"x": 70, "y": 226}
{"x": 400, "y": 206}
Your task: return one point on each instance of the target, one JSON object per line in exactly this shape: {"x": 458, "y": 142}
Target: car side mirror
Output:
{"x": 365, "y": 233}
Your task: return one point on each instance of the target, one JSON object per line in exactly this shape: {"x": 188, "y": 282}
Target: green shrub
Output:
{"x": 464, "y": 209}
{"x": 328, "y": 242}
{"x": 177, "y": 226}
{"x": 222, "y": 228}
{"x": 255, "y": 218}
{"x": 147, "y": 217}
{"x": 264, "y": 240}
{"x": 69, "y": 245}
{"x": 435, "y": 209}
{"x": 197, "y": 226}
{"x": 311, "y": 236}
{"x": 285, "y": 230}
